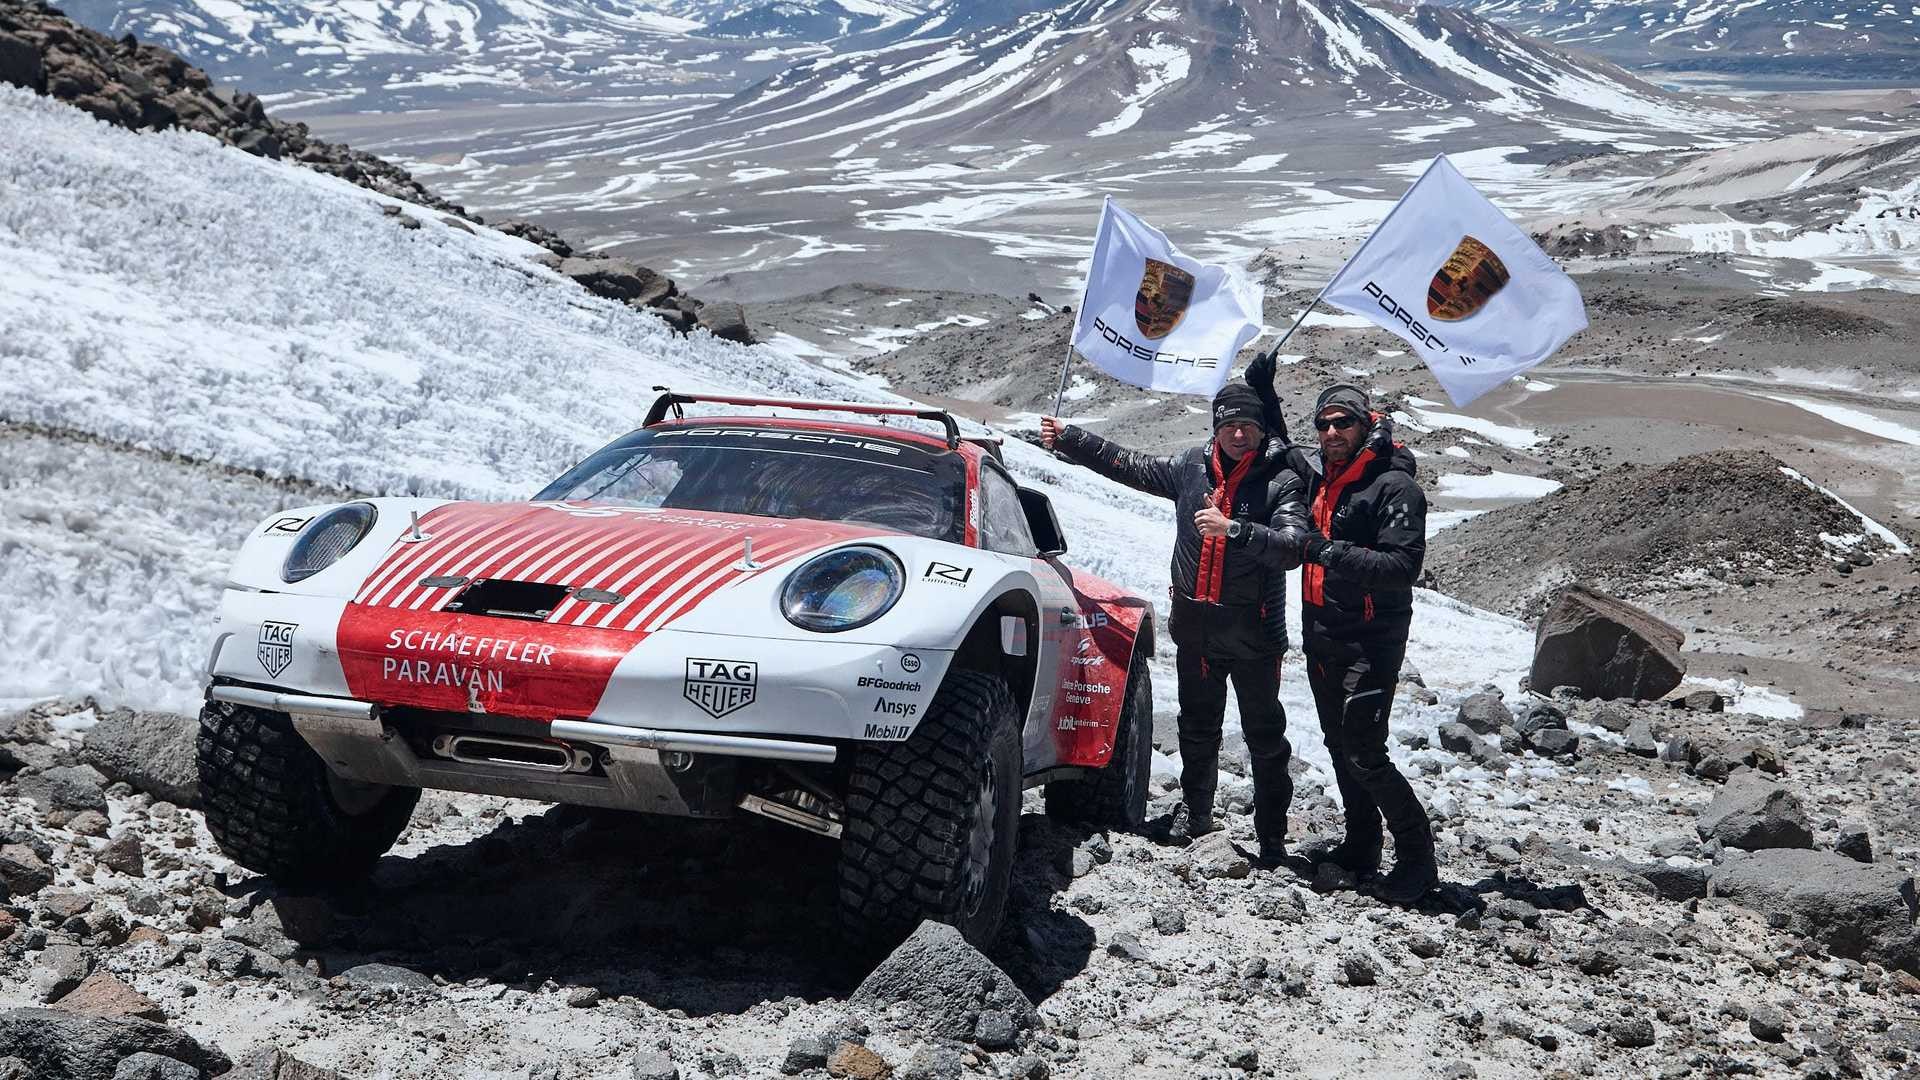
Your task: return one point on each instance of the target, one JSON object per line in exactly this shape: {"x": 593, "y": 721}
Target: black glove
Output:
{"x": 1259, "y": 376}
{"x": 1314, "y": 549}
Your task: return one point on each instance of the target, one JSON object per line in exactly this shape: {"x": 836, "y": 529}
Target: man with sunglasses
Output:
{"x": 1239, "y": 526}
{"x": 1361, "y": 558}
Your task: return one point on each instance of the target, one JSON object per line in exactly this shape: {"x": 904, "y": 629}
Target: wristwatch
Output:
{"x": 1234, "y": 529}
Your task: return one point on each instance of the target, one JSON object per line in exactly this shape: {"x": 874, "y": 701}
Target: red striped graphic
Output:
{"x": 399, "y": 647}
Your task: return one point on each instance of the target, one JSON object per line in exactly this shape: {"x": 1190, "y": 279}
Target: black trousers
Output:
{"x": 1203, "y": 709}
{"x": 1353, "y": 687}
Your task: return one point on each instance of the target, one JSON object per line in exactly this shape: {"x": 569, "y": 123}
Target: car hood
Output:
{"x": 613, "y": 567}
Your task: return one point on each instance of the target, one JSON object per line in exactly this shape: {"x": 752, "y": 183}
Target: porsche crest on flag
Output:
{"x": 1158, "y": 319}
{"x": 1475, "y": 297}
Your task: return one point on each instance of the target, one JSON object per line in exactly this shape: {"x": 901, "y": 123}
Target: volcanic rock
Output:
{"x": 1606, "y": 647}
{"x": 77, "y": 1047}
{"x": 727, "y": 321}
{"x": 153, "y": 751}
{"x": 1485, "y": 714}
{"x": 1863, "y": 911}
{"x": 145, "y": 1066}
{"x": 100, "y": 994}
{"x": 1753, "y": 812}
{"x": 948, "y": 981}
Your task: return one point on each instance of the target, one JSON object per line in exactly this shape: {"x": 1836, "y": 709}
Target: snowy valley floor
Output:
{"x": 279, "y": 339}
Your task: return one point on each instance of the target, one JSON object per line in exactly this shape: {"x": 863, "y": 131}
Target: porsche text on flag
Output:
{"x": 1474, "y": 296}
{"x": 1156, "y": 318}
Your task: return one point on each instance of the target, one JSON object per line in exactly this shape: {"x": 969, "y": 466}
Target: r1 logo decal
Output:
{"x": 721, "y": 686}
{"x": 948, "y": 574}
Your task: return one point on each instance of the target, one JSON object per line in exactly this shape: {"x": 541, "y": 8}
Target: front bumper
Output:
{"x": 677, "y": 773}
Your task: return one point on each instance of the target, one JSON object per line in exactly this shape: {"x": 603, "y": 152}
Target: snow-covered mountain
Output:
{"x": 812, "y": 20}
{"x": 1161, "y": 68}
{"x": 1825, "y": 39}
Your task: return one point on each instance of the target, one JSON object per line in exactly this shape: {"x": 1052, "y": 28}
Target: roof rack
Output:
{"x": 668, "y": 401}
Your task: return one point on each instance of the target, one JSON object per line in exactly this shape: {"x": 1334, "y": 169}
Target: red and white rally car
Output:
{"x": 861, "y": 630}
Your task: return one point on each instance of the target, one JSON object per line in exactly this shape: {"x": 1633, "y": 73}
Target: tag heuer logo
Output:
{"x": 276, "y": 646}
{"x": 1473, "y": 275}
{"x": 722, "y": 686}
{"x": 1165, "y": 292}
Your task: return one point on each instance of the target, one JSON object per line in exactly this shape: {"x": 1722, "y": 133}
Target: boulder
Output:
{"x": 1460, "y": 739}
{"x": 948, "y": 982}
{"x": 1485, "y": 714}
{"x": 1862, "y": 911}
{"x": 1555, "y": 742}
{"x": 1642, "y": 740}
{"x": 78, "y": 1047}
{"x": 1540, "y": 716}
{"x": 1855, "y": 842}
{"x": 20, "y": 64}
{"x": 1606, "y": 648}
{"x": 1719, "y": 762}
{"x": 72, "y": 788}
{"x": 1752, "y": 812}
{"x": 726, "y": 320}
{"x": 100, "y": 994}
{"x": 22, "y": 871}
{"x": 619, "y": 279}
{"x": 145, "y": 1066}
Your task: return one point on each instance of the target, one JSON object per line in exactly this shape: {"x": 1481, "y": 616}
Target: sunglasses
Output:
{"x": 1337, "y": 423}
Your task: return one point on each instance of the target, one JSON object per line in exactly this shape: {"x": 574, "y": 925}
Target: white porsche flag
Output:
{"x": 1475, "y": 297}
{"x": 1156, "y": 318}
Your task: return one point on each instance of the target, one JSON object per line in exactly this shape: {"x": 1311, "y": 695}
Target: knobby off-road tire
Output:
{"x": 1115, "y": 797}
{"x": 275, "y": 808}
{"x": 931, "y": 823}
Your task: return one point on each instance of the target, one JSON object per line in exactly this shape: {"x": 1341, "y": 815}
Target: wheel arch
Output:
{"x": 980, "y": 650}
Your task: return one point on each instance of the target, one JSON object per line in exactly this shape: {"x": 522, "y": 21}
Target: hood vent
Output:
{"x": 530, "y": 600}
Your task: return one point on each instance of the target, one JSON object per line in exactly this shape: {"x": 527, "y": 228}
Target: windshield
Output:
{"x": 778, "y": 472}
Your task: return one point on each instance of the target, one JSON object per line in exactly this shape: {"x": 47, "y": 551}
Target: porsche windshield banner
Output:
{"x": 1475, "y": 297}
{"x": 1158, "y": 319}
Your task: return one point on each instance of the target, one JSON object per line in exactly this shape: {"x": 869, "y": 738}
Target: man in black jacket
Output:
{"x": 1368, "y": 539}
{"x": 1240, "y": 523}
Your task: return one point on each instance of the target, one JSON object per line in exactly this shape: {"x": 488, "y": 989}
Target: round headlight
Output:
{"x": 843, "y": 589}
{"x": 325, "y": 539}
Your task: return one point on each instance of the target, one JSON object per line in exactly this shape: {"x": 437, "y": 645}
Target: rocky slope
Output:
{"x": 1672, "y": 892}
{"x": 1724, "y": 519}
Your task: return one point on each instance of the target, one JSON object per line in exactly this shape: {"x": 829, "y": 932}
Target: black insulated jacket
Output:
{"x": 1229, "y": 598}
{"x": 1374, "y": 517}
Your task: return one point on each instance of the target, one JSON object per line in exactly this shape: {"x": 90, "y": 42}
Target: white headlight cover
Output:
{"x": 326, "y": 539}
{"x": 843, "y": 589}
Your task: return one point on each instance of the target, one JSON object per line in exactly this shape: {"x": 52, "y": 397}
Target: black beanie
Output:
{"x": 1347, "y": 398}
{"x": 1237, "y": 403}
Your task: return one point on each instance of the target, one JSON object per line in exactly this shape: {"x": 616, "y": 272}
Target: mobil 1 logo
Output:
{"x": 276, "y": 646}
{"x": 721, "y": 686}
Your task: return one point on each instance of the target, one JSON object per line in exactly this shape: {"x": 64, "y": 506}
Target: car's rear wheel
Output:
{"x": 1115, "y": 796}
{"x": 931, "y": 823}
{"x": 275, "y": 808}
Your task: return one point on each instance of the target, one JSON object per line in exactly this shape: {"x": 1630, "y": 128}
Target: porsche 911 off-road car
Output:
{"x": 861, "y": 630}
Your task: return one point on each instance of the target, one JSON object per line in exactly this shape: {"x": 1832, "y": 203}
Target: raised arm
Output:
{"x": 1142, "y": 472}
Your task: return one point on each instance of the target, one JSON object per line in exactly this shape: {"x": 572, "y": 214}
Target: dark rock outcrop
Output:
{"x": 948, "y": 982}
{"x": 1605, "y": 648}
{"x": 1862, "y": 911}
{"x": 75, "y": 1047}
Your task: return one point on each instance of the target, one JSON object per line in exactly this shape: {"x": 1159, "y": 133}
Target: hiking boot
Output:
{"x": 1357, "y": 856}
{"x": 1184, "y": 826}
{"x": 1414, "y": 875}
{"x": 1273, "y": 853}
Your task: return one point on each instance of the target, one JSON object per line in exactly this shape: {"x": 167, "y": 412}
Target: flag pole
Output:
{"x": 1060, "y": 394}
{"x": 1377, "y": 230}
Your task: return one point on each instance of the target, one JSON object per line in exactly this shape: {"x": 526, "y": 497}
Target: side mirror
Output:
{"x": 1042, "y": 524}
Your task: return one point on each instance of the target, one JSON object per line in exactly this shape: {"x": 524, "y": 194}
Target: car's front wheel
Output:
{"x": 275, "y": 808}
{"x": 1115, "y": 796}
{"x": 931, "y": 823}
